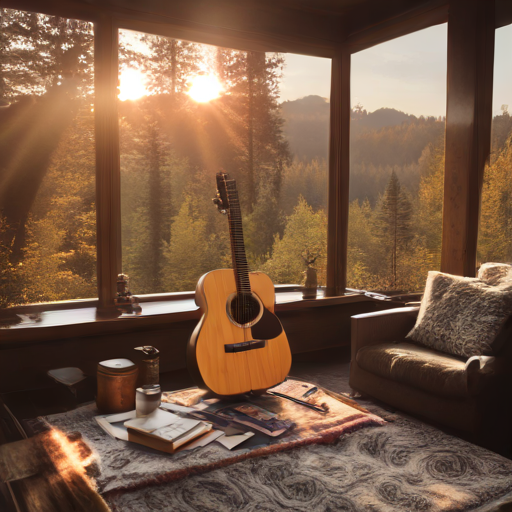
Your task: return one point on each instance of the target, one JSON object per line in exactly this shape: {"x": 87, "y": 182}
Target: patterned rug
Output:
{"x": 404, "y": 465}
{"x": 126, "y": 466}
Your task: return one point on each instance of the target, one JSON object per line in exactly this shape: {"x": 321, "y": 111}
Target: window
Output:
{"x": 47, "y": 191}
{"x": 188, "y": 110}
{"x": 398, "y": 96}
{"x": 495, "y": 233}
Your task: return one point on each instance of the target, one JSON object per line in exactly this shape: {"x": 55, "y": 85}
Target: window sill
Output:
{"x": 81, "y": 322}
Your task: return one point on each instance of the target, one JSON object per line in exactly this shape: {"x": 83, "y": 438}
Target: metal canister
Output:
{"x": 117, "y": 379}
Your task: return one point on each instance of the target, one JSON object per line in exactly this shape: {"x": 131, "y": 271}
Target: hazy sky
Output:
{"x": 407, "y": 73}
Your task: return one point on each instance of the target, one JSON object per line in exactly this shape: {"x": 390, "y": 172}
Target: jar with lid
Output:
{"x": 147, "y": 399}
{"x": 117, "y": 379}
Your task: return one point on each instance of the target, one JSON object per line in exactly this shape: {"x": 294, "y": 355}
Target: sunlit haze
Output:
{"x": 204, "y": 88}
{"x": 131, "y": 85}
{"x": 407, "y": 73}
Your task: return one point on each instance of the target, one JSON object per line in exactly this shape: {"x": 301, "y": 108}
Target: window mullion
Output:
{"x": 108, "y": 196}
{"x": 339, "y": 169}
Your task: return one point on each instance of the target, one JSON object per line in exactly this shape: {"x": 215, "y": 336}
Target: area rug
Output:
{"x": 126, "y": 466}
{"x": 403, "y": 466}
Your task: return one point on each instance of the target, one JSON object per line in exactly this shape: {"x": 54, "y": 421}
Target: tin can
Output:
{"x": 117, "y": 379}
{"x": 147, "y": 399}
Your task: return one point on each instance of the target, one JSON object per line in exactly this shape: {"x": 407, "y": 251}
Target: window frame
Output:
{"x": 353, "y": 37}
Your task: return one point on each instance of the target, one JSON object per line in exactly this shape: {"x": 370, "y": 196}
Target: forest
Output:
{"x": 171, "y": 147}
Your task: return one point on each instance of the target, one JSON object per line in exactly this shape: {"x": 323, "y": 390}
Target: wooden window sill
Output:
{"x": 80, "y": 322}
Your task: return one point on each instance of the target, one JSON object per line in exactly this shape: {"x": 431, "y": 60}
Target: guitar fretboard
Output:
{"x": 239, "y": 258}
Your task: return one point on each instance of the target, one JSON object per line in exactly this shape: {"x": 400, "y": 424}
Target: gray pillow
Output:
{"x": 462, "y": 316}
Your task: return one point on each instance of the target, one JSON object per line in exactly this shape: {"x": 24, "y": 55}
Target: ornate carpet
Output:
{"x": 127, "y": 466}
{"x": 404, "y": 465}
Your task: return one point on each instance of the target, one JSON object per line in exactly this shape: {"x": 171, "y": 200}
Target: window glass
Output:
{"x": 189, "y": 110}
{"x": 398, "y": 91}
{"x": 495, "y": 234}
{"x": 47, "y": 164}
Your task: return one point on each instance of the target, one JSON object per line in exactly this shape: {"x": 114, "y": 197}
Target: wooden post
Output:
{"x": 468, "y": 129}
{"x": 339, "y": 170}
{"x": 108, "y": 206}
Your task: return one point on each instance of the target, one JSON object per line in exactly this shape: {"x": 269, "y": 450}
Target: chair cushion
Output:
{"x": 415, "y": 366}
{"x": 462, "y": 315}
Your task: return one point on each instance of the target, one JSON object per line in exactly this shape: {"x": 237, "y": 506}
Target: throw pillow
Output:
{"x": 462, "y": 316}
{"x": 496, "y": 274}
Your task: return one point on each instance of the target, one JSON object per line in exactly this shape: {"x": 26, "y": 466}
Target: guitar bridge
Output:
{"x": 244, "y": 346}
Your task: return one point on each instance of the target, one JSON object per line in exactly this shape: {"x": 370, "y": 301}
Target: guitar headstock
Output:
{"x": 221, "y": 200}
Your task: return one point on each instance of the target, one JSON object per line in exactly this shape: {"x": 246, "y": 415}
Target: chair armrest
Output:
{"x": 382, "y": 326}
{"x": 485, "y": 373}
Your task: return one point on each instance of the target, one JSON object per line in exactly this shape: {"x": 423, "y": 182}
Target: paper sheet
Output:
{"x": 153, "y": 421}
{"x": 230, "y": 442}
{"x": 175, "y": 407}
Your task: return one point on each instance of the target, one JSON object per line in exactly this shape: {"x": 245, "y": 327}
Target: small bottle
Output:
{"x": 147, "y": 399}
{"x": 149, "y": 366}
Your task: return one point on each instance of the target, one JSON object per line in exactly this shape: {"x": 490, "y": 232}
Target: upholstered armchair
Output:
{"x": 471, "y": 394}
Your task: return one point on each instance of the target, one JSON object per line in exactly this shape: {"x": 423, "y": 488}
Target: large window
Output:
{"x": 188, "y": 110}
{"x": 398, "y": 95}
{"x": 47, "y": 163}
{"x": 495, "y": 234}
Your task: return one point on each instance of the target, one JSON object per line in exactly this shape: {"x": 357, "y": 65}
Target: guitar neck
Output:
{"x": 236, "y": 233}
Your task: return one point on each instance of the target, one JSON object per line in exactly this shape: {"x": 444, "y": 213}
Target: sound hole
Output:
{"x": 244, "y": 308}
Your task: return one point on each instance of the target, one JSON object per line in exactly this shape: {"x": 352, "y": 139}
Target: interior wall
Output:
{"x": 307, "y": 329}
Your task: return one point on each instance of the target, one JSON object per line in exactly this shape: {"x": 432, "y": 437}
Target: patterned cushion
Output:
{"x": 462, "y": 315}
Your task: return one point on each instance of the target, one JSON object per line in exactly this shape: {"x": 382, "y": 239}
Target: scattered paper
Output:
{"x": 157, "y": 419}
{"x": 176, "y": 407}
{"x": 230, "y": 442}
{"x": 202, "y": 441}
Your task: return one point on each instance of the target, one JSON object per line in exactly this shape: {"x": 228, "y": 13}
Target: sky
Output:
{"x": 407, "y": 73}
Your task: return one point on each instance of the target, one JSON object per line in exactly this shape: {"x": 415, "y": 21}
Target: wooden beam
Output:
{"x": 468, "y": 129}
{"x": 339, "y": 170}
{"x": 258, "y": 25}
{"x": 376, "y": 22}
{"x": 108, "y": 182}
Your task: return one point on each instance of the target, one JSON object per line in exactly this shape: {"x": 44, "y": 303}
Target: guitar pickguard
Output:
{"x": 268, "y": 327}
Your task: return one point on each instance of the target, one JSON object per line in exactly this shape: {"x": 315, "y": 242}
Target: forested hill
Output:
{"x": 384, "y": 137}
{"x": 306, "y": 127}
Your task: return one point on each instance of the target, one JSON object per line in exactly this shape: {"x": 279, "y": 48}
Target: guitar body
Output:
{"x": 230, "y": 359}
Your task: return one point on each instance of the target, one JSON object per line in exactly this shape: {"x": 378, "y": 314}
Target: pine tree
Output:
{"x": 395, "y": 220}
{"x": 305, "y": 234}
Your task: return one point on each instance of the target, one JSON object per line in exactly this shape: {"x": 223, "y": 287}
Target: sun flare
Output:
{"x": 131, "y": 85}
{"x": 204, "y": 88}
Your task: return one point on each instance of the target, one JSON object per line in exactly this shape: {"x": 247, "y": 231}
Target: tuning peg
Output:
{"x": 217, "y": 201}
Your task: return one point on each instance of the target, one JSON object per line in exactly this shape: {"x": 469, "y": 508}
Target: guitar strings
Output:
{"x": 239, "y": 258}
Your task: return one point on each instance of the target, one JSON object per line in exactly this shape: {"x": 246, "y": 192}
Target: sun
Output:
{"x": 131, "y": 85}
{"x": 204, "y": 88}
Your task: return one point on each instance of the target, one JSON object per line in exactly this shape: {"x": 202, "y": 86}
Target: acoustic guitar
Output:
{"x": 239, "y": 345}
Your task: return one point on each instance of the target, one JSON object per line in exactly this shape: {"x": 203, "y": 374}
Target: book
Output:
{"x": 155, "y": 441}
{"x": 161, "y": 430}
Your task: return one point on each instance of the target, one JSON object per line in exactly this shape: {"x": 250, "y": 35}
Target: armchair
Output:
{"x": 472, "y": 395}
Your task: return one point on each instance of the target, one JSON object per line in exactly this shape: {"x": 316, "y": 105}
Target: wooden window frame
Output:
{"x": 457, "y": 253}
